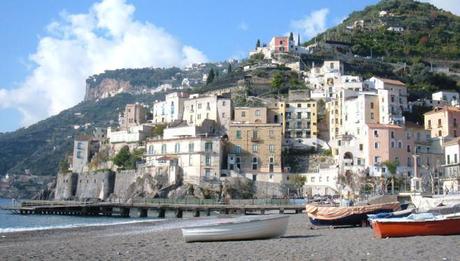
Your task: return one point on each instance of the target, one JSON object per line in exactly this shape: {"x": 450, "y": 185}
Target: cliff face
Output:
{"x": 107, "y": 88}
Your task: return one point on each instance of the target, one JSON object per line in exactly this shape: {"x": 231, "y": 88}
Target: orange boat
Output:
{"x": 425, "y": 224}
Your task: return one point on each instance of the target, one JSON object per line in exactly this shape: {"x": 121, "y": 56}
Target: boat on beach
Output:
{"x": 346, "y": 216}
{"x": 396, "y": 214}
{"x": 423, "y": 224}
{"x": 241, "y": 228}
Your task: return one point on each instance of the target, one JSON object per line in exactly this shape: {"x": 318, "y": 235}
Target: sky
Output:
{"x": 50, "y": 47}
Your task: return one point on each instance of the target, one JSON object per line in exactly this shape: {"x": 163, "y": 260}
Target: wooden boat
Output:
{"x": 242, "y": 228}
{"x": 346, "y": 216}
{"x": 424, "y": 224}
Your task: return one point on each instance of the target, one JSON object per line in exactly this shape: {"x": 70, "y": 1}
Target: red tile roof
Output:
{"x": 391, "y": 81}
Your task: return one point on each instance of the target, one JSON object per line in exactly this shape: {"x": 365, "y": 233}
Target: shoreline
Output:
{"x": 163, "y": 241}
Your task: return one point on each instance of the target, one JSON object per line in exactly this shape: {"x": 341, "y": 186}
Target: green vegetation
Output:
{"x": 126, "y": 159}
{"x": 298, "y": 181}
{"x": 158, "y": 130}
{"x": 211, "y": 76}
{"x": 43, "y": 145}
{"x": 149, "y": 77}
{"x": 428, "y": 32}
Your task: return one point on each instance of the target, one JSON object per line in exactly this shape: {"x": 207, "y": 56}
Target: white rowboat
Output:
{"x": 242, "y": 228}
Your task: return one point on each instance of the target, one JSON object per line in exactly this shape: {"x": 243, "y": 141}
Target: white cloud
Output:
{"x": 312, "y": 24}
{"x": 80, "y": 45}
{"x": 243, "y": 26}
{"x": 448, "y": 5}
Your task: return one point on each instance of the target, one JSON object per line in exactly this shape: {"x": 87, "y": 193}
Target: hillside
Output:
{"x": 41, "y": 146}
{"x": 400, "y": 30}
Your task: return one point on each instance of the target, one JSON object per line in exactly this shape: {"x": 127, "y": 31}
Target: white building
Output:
{"x": 323, "y": 182}
{"x": 132, "y": 137}
{"x": 450, "y": 97}
{"x": 171, "y": 109}
{"x": 200, "y": 108}
{"x": 451, "y": 179}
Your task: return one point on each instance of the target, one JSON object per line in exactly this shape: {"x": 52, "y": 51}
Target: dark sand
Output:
{"x": 163, "y": 241}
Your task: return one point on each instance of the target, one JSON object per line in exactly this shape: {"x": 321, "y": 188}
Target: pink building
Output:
{"x": 280, "y": 44}
{"x": 389, "y": 143}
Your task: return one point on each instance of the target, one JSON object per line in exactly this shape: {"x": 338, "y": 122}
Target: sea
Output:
{"x": 14, "y": 223}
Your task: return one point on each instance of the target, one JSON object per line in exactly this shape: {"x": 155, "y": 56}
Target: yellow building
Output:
{"x": 443, "y": 122}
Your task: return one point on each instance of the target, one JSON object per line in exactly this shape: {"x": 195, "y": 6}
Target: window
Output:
{"x": 208, "y": 146}
{"x": 255, "y": 148}
{"x": 151, "y": 149}
{"x": 198, "y": 116}
{"x": 299, "y": 105}
{"x": 392, "y": 144}
{"x": 439, "y": 123}
{"x": 254, "y": 134}
{"x": 361, "y": 147}
{"x": 312, "y": 179}
{"x": 223, "y": 103}
{"x": 377, "y": 159}
{"x": 429, "y": 124}
{"x": 80, "y": 145}
{"x": 257, "y": 112}
{"x": 208, "y": 160}
{"x": 372, "y": 115}
{"x": 455, "y": 158}
{"x": 376, "y": 133}
{"x": 439, "y": 133}
{"x": 223, "y": 114}
{"x": 199, "y": 105}
{"x": 237, "y": 149}
{"x": 271, "y": 133}
{"x": 254, "y": 163}
{"x": 372, "y": 105}
{"x": 163, "y": 148}
{"x": 238, "y": 134}
{"x": 448, "y": 159}
{"x": 271, "y": 148}
{"x": 177, "y": 148}
{"x": 208, "y": 106}
{"x": 392, "y": 134}
{"x": 191, "y": 147}
{"x": 376, "y": 145}
{"x": 207, "y": 172}
{"x": 299, "y": 115}
{"x": 79, "y": 155}
{"x": 243, "y": 114}
{"x": 408, "y": 148}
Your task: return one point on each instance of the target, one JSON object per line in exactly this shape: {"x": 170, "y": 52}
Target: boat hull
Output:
{"x": 346, "y": 216}
{"x": 264, "y": 228}
{"x": 416, "y": 228}
{"x": 351, "y": 220}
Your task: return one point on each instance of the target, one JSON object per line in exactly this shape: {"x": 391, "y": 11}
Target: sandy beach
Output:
{"x": 162, "y": 240}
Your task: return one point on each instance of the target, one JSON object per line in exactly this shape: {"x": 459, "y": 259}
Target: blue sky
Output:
{"x": 200, "y": 30}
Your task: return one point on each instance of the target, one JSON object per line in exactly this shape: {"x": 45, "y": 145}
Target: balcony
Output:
{"x": 256, "y": 139}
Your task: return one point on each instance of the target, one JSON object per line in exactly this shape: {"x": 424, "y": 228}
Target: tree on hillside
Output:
{"x": 211, "y": 76}
{"x": 277, "y": 81}
{"x": 258, "y": 43}
{"x": 127, "y": 160}
{"x": 158, "y": 130}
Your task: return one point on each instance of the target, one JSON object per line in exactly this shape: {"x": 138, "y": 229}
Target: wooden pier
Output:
{"x": 142, "y": 209}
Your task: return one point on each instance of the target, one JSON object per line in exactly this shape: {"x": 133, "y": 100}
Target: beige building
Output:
{"x": 392, "y": 99}
{"x": 443, "y": 122}
{"x": 199, "y": 108}
{"x": 255, "y": 146}
{"x": 133, "y": 115}
{"x": 192, "y": 159}
{"x": 171, "y": 109}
